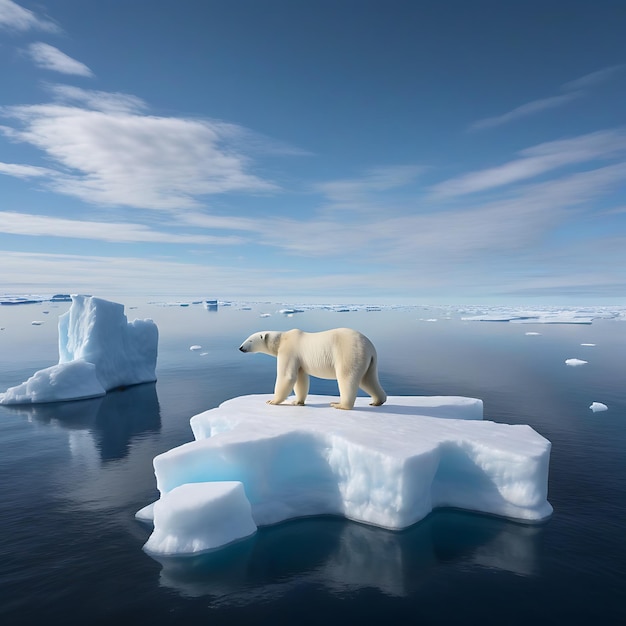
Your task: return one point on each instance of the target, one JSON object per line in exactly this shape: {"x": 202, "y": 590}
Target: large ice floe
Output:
{"x": 99, "y": 350}
{"x": 254, "y": 464}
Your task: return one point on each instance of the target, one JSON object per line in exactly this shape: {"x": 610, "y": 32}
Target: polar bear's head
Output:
{"x": 265, "y": 341}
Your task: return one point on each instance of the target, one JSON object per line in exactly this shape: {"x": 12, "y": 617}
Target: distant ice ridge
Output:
{"x": 99, "y": 350}
{"x": 548, "y": 315}
{"x": 388, "y": 466}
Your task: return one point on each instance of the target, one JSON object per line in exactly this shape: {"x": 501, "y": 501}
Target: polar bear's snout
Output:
{"x": 242, "y": 348}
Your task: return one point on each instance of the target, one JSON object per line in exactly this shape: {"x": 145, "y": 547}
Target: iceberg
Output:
{"x": 99, "y": 350}
{"x": 386, "y": 466}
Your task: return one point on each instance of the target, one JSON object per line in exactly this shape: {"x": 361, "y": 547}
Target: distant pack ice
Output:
{"x": 387, "y": 466}
{"x": 99, "y": 350}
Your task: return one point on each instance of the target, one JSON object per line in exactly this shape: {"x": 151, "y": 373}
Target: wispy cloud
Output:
{"x": 106, "y": 101}
{"x": 358, "y": 193}
{"x": 113, "y": 155}
{"x": 574, "y": 90}
{"x": 592, "y": 79}
{"x": 169, "y": 278}
{"x": 538, "y": 160}
{"x": 524, "y": 110}
{"x": 50, "y": 58}
{"x": 15, "y": 17}
{"x": 14, "y": 223}
{"x": 24, "y": 171}
{"x": 430, "y": 246}
{"x": 428, "y": 250}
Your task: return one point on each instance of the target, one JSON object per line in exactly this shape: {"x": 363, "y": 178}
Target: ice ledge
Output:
{"x": 388, "y": 466}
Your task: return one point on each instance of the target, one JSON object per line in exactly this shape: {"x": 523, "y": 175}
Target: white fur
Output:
{"x": 342, "y": 354}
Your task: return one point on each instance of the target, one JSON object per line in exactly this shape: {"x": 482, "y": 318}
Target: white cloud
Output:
{"x": 575, "y": 89}
{"x": 349, "y": 191}
{"x": 50, "y": 58}
{"x": 530, "y": 108}
{"x": 15, "y": 17}
{"x": 13, "y": 223}
{"x": 116, "y": 156}
{"x": 456, "y": 239}
{"x": 589, "y": 80}
{"x": 218, "y": 222}
{"x": 500, "y": 248}
{"x": 105, "y": 101}
{"x": 24, "y": 171}
{"x": 537, "y": 160}
{"x": 128, "y": 276}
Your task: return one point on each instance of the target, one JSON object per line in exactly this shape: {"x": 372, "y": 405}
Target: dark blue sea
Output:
{"x": 72, "y": 476}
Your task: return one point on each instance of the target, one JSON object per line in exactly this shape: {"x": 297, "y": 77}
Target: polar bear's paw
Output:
{"x": 338, "y": 405}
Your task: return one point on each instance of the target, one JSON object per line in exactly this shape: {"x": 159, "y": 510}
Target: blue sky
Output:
{"x": 329, "y": 150}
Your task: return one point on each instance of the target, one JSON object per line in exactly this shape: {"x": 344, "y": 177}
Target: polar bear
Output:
{"x": 342, "y": 354}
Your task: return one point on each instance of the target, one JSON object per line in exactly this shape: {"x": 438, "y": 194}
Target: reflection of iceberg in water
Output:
{"x": 344, "y": 556}
{"x": 112, "y": 420}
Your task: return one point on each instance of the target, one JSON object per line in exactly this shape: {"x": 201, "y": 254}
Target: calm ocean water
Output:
{"x": 73, "y": 475}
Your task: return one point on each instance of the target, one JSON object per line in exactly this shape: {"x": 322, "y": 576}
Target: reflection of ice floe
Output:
{"x": 598, "y": 406}
{"x": 575, "y": 362}
{"x": 109, "y": 422}
{"x": 342, "y": 557}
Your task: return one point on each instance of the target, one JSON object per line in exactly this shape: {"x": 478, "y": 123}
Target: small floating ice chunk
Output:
{"x": 195, "y": 347}
{"x": 265, "y": 315}
{"x": 575, "y": 362}
{"x": 588, "y": 344}
{"x": 532, "y": 334}
{"x": 37, "y": 323}
{"x": 598, "y": 406}
{"x": 197, "y": 517}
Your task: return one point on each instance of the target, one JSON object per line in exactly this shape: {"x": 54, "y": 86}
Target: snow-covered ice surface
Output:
{"x": 388, "y": 466}
{"x": 99, "y": 350}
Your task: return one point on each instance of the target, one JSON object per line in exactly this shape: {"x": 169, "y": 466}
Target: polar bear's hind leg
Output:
{"x": 371, "y": 385}
{"x": 348, "y": 388}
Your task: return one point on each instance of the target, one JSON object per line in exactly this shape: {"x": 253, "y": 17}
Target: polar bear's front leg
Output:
{"x": 301, "y": 387}
{"x": 286, "y": 376}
